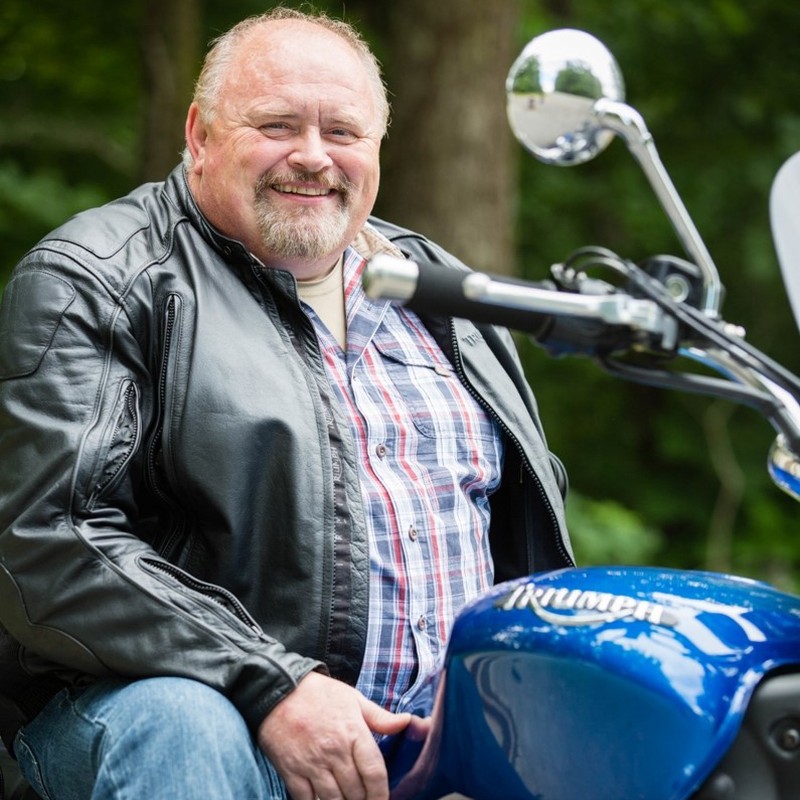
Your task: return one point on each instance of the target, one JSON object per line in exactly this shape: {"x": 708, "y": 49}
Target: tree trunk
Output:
{"x": 170, "y": 59}
{"x": 449, "y": 161}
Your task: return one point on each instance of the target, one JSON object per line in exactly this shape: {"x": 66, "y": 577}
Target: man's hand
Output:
{"x": 319, "y": 738}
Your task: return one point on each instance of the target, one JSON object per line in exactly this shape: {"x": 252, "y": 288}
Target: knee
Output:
{"x": 175, "y": 737}
{"x": 176, "y": 708}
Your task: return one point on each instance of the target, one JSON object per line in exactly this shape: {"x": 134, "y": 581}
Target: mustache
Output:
{"x": 325, "y": 179}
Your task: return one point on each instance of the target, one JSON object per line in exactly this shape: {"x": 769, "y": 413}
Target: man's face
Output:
{"x": 288, "y": 164}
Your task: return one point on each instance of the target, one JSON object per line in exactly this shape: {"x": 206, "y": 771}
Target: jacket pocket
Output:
{"x": 119, "y": 442}
{"x": 171, "y": 575}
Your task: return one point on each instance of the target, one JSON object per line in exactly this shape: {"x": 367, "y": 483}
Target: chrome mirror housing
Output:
{"x": 552, "y": 90}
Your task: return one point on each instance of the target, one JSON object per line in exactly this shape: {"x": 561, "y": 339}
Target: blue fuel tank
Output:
{"x": 603, "y": 683}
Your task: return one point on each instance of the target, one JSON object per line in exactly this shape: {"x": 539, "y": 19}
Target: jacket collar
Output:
{"x": 177, "y": 189}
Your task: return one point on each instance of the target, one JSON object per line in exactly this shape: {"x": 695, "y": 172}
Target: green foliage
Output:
{"x": 605, "y": 532}
{"x": 70, "y": 94}
{"x": 34, "y": 202}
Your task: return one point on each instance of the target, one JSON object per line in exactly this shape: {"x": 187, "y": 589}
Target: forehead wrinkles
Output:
{"x": 299, "y": 62}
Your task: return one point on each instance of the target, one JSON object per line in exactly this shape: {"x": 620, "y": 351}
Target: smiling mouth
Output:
{"x": 308, "y": 191}
{"x": 302, "y": 185}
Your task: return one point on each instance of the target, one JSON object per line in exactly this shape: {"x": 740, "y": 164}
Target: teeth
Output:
{"x": 308, "y": 190}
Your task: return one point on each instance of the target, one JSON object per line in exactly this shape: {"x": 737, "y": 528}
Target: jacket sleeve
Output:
{"x": 79, "y": 589}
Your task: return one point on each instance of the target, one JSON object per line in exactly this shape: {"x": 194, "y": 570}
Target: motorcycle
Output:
{"x": 615, "y": 683}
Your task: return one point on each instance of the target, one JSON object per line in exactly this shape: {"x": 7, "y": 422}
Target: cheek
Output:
{"x": 372, "y": 190}
{"x": 368, "y": 177}
{"x": 244, "y": 158}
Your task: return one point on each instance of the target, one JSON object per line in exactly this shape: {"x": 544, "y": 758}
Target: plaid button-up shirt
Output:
{"x": 429, "y": 457}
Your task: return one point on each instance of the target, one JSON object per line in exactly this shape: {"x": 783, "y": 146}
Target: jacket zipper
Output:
{"x": 222, "y": 597}
{"x": 155, "y": 441}
{"x": 298, "y": 346}
{"x": 128, "y": 402}
{"x": 524, "y": 463}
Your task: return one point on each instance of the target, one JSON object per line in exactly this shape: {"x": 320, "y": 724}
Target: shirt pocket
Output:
{"x": 425, "y": 387}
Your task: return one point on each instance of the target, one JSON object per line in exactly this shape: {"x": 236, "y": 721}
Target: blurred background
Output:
{"x": 93, "y": 96}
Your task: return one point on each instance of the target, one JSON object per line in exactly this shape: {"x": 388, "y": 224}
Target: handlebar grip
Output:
{"x": 434, "y": 290}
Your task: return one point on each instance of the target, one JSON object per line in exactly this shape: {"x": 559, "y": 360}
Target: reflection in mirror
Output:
{"x": 551, "y": 92}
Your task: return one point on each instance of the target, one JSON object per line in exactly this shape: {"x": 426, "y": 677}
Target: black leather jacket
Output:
{"x": 166, "y": 482}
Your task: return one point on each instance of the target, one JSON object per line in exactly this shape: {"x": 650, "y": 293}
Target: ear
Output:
{"x": 196, "y": 136}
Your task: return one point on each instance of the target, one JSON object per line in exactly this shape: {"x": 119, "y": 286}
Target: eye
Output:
{"x": 342, "y": 134}
{"x": 275, "y": 128}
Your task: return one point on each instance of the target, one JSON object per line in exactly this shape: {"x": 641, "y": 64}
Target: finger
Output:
{"x": 327, "y": 787}
{"x": 419, "y": 728}
{"x": 351, "y": 787}
{"x": 380, "y": 720}
{"x": 371, "y": 769}
{"x": 348, "y": 771}
{"x": 298, "y": 788}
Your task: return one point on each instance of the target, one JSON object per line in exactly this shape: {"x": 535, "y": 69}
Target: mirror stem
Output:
{"x": 628, "y": 123}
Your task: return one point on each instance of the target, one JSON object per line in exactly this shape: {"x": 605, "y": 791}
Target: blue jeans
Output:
{"x": 168, "y": 738}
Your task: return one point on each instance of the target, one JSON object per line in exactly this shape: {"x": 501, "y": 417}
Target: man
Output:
{"x": 240, "y": 503}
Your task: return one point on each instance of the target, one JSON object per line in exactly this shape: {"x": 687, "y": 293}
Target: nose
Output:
{"x": 310, "y": 151}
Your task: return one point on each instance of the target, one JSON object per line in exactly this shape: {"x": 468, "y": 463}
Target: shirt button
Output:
{"x": 422, "y": 623}
{"x": 380, "y": 450}
{"x": 412, "y": 533}
{"x": 443, "y": 371}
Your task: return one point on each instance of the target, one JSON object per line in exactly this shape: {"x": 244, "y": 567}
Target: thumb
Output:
{"x": 379, "y": 720}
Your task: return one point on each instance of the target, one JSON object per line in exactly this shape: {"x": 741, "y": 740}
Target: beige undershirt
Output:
{"x": 326, "y": 296}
